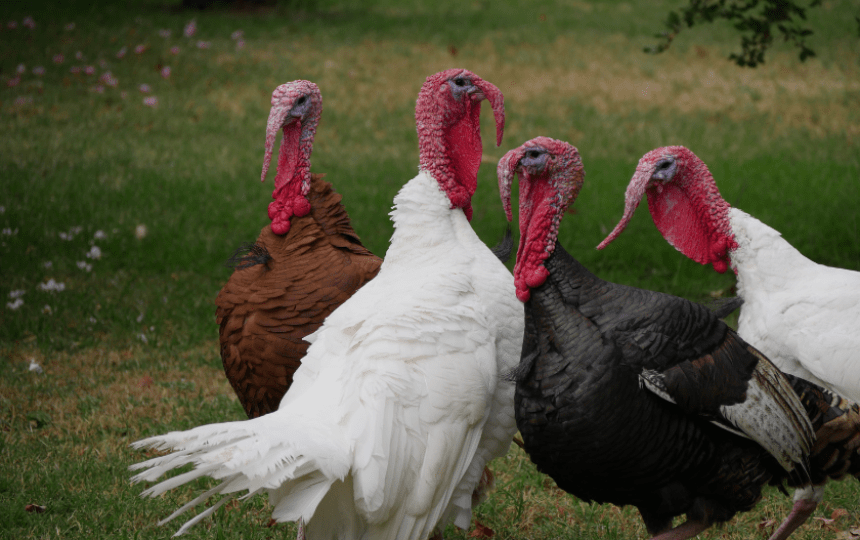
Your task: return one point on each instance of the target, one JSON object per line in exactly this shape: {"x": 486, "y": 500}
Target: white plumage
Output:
{"x": 802, "y": 315}
{"x": 399, "y": 402}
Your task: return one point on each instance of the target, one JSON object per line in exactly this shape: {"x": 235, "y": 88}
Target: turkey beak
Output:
{"x": 279, "y": 117}
{"x": 497, "y": 101}
{"x": 635, "y": 192}
{"x": 506, "y": 170}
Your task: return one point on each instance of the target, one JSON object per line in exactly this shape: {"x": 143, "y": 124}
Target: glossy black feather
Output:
{"x": 587, "y": 421}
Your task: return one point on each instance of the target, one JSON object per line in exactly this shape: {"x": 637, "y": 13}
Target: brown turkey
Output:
{"x": 305, "y": 264}
{"x": 635, "y": 397}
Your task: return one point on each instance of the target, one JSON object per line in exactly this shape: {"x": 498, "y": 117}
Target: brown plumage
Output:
{"x": 285, "y": 286}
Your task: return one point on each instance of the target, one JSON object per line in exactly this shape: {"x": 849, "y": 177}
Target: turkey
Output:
{"x": 305, "y": 264}
{"x": 804, "y": 316}
{"x": 635, "y": 397}
{"x": 399, "y": 403}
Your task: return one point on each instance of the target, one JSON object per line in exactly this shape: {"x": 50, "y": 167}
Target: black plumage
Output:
{"x": 631, "y": 396}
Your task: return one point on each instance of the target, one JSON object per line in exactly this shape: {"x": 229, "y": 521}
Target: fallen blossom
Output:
{"x": 17, "y": 293}
{"x": 85, "y": 266}
{"x": 190, "y": 28}
{"x": 75, "y": 70}
{"x": 9, "y": 231}
{"x": 72, "y": 232}
{"x": 99, "y": 235}
{"x": 204, "y": 44}
{"x": 140, "y": 317}
{"x": 70, "y": 26}
{"x": 92, "y": 320}
{"x": 47, "y": 310}
{"x": 144, "y": 88}
{"x": 52, "y": 285}
{"x": 19, "y": 101}
{"x": 59, "y": 58}
{"x": 174, "y": 50}
{"x": 15, "y": 304}
{"x": 109, "y": 79}
{"x": 140, "y": 232}
{"x": 139, "y": 49}
{"x": 142, "y": 337}
{"x": 103, "y": 63}
{"x": 21, "y": 68}
{"x": 48, "y": 265}
{"x": 28, "y": 22}
{"x": 89, "y": 70}
{"x": 94, "y": 253}
{"x": 240, "y": 44}
{"x": 13, "y": 81}
{"x": 38, "y": 71}
{"x": 165, "y": 71}
{"x": 120, "y": 53}
{"x": 164, "y": 33}
{"x": 79, "y": 55}
{"x": 98, "y": 89}
{"x": 238, "y": 34}
{"x": 11, "y": 25}
{"x": 150, "y": 101}
{"x": 38, "y": 369}
{"x": 35, "y": 507}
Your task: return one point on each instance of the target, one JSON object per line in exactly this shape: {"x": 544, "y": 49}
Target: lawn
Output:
{"x": 123, "y": 192}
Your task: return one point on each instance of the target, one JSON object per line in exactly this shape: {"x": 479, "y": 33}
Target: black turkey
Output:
{"x": 635, "y": 397}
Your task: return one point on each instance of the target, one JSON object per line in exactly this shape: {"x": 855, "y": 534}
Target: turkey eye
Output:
{"x": 459, "y": 81}
{"x": 301, "y": 100}
{"x": 663, "y": 165}
{"x": 533, "y": 154}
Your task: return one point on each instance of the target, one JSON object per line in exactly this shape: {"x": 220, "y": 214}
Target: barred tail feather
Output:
{"x": 295, "y": 460}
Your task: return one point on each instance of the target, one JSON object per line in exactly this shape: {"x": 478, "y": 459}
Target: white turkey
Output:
{"x": 636, "y": 397}
{"x": 804, "y": 316}
{"x": 398, "y": 404}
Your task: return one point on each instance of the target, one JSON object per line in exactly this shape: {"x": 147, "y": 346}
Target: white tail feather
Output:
{"x": 295, "y": 458}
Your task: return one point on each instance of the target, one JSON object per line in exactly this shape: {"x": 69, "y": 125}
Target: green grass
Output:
{"x": 781, "y": 141}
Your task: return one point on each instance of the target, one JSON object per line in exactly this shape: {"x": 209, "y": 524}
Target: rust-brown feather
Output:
{"x": 267, "y": 309}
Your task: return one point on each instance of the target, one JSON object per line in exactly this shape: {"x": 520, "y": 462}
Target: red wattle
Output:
{"x": 682, "y": 225}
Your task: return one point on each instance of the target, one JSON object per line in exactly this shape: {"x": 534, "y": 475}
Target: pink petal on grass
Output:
{"x": 15, "y": 81}
{"x": 121, "y": 52}
{"x": 144, "y": 88}
{"x": 140, "y": 49}
{"x": 165, "y": 71}
{"x": 89, "y": 70}
{"x": 28, "y": 22}
{"x": 70, "y": 26}
{"x": 203, "y": 44}
{"x": 174, "y": 50}
{"x": 59, "y": 58}
{"x": 190, "y": 28}
{"x": 164, "y": 33}
{"x": 151, "y": 101}
{"x": 38, "y": 71}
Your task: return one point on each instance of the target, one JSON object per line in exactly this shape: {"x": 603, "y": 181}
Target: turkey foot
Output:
{"x": 800, "y": 512}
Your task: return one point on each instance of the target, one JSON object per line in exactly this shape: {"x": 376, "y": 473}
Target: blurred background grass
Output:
{"x": 129, "y": 347}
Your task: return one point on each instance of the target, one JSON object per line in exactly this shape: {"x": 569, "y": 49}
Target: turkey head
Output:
{"x": 685, "y": 204}
{"x": 447, "y": 116}
{"x": 551, "y": 175}
{"x": 296, "y": 110}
